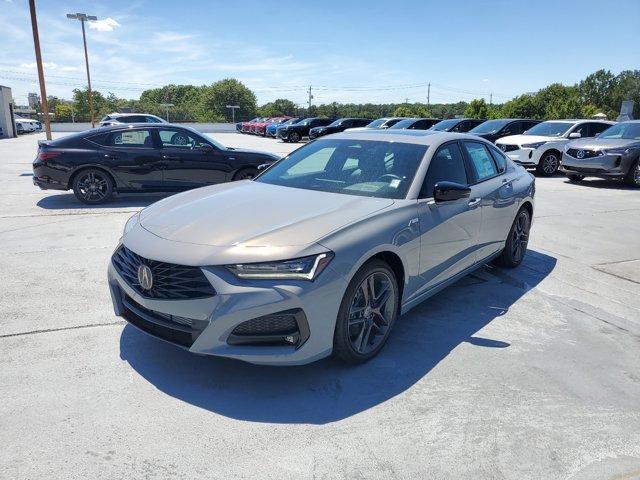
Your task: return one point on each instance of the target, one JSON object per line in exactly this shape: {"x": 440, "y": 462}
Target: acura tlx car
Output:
{"x": 324, "y": 250}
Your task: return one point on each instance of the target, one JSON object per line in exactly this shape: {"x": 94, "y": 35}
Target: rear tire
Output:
{"x": 515, "y": 247}
{"x": 92, "y": 186}
{"x": 245, "y": 174}
{"x": 574, "y": 178}
{"x": 633, "y": 175}
{"x": 367, "y": 313}
{"x": 549, "y": 164}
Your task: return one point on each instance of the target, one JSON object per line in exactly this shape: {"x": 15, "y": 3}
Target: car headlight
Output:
{"x": 533, "y": 145}
{"x": 305, "y": 268}
{"x": 132, "y": 222}
{"x": 617, "y": 151}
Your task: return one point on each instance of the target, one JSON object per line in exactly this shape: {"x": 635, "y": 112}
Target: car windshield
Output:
{"x": 626, "y": 131}
{"x": 337, "y": 122}
{"x": 404, "y": 123}
{"x": 377, "y": 123}
{"x": 354, "y": 167}
{"x": 490, "y": 126}
{"x": 445, "y": 125}
{"x": 211, "y": 140}
{"x": 549, "y": 129}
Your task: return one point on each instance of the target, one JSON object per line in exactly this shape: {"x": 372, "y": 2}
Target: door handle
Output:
{"x": 110, "y": 157}
{"x": 170, "y": 157}
{"x": 475, "y": 201}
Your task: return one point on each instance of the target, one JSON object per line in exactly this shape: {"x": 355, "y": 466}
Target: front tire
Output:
{"x": 92, "y": 186}
{"x": 367, "y": 313}
{"x": 245, "y": 174}
{"x": 294, "y": 137}
{"x": 516, "y": 245}
{"x": 633, "y": 176}
{"x": 549, "y": 164}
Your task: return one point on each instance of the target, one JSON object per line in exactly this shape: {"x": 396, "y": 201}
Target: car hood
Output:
{"x": 520, "y": 139}
{"x": 242, "y": 151}
{"x": 254, "y": 214}
{"x": 602, "y": 143}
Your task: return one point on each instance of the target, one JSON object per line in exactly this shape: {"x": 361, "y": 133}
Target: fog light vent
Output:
{"x": 288, "y": 327}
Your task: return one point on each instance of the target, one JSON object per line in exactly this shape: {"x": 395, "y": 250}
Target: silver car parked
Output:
{"x": 615, "y": 153}
{"x": 325, "y": 249}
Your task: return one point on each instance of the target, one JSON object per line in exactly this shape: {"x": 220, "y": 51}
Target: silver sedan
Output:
{"x": 324, "y": 250}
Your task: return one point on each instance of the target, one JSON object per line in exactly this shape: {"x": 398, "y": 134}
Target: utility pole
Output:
{"x": 167, "y": 106}
{"x": 83, "y": 17}
{"x": 490, "y": 99}
{"x": 43, "y": 91}
{"x": 310, "y": 97}
{"x": 428, "y": 94}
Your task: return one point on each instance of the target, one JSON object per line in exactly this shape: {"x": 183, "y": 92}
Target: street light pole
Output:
{"x": 233, "y": 112}
{"x": 43, "y": 91}
{"x": 83, "y": 17}
{"x": 167, "y": 106}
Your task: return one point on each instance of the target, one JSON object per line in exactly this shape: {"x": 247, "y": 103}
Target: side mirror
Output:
{"x": 206, "y": 148}
{"x": 264, "y": 166}
{"x": 447, "y": 191}
{"x": 574, "y": 135}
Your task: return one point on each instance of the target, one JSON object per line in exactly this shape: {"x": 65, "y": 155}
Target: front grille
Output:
{"x": 573, "y": 152}
{"x": 170, "y": 281}
{"x": 508, "y": 148}
{"x": 178, "y": 330}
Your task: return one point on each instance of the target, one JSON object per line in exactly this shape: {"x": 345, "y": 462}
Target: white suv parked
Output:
{"x": 120, "y": 118}
{"x": 541, "y": 146}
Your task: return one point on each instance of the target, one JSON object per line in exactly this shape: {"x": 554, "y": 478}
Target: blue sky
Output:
{"x": 378, "y": 51}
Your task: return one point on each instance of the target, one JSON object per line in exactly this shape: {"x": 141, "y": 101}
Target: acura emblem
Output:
{"x": 503, "y": 148}
{"x": 580, "y": 154}
{"x": 145, "y": 277}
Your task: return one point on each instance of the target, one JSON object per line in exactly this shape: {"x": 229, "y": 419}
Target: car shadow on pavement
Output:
{"x": 602, "y": 183}
{"x": 69, "y": 201}
{"x": 328, "y": 391}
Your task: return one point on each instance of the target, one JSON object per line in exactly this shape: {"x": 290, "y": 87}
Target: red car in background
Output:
{"x": 247, "y": 126}
{"x": 260, "y": 128}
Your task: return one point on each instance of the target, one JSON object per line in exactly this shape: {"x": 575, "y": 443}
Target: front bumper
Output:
{"x": 527, "y": 157}
{"x": 608, "y": 166}
{"x": 205, "y": 325}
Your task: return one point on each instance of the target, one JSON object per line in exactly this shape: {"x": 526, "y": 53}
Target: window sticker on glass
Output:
{"x": 395, "y": 183}
{"x": 131, "y": 138}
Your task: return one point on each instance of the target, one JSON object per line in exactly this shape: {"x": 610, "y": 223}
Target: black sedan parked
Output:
{"x": 415, "y": 124}
{"x": 339, "y": 125}
{"x": 458, "y": 125}
{"x": 295, "y": 132}
{"x": 139, "y": 158}
{"x": 492, "y": 130}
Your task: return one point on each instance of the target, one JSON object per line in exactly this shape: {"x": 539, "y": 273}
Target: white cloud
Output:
{"x": 50, "y": 66}
{"x": 485, "y": 80}
{"x": 105, "y": 25}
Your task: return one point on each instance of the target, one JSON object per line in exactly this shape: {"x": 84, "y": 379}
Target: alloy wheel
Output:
{"x": 550, "y": 164}
{"x": 520, "y": 236}
{"x": 371, "y": 312}
{"x": 636, "y": 174}
{"x": 93, "y": 187}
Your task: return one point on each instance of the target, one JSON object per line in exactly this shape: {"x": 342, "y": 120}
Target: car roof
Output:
{"x": 418, "y": 137}
{"x": 579, "y": 120}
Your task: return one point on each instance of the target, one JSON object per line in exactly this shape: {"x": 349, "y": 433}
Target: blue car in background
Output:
{"x": 271, "y": 129}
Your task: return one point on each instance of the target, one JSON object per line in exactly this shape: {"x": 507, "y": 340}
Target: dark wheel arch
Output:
{"x": 395, "y": 263}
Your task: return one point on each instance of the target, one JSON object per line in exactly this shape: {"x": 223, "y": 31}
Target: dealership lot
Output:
{"x": 531, "y": 372}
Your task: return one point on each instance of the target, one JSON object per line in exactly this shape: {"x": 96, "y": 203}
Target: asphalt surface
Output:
{"x": 508, "y": 374}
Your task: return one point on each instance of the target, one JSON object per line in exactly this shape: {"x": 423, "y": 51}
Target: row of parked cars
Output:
{"x": 547, "y": 147}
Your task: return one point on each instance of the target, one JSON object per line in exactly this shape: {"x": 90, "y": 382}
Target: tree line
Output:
{"x": 600, "y": 92}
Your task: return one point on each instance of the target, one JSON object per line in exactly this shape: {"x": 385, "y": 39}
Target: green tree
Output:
{"x": 412, "y": 110}
{"x": 279, "y": 107}
{"x": 229, "y": 91}
{"x": 477, "y": 108}
{"x": 63, "y": 112}
{"x": 81, "y": 100}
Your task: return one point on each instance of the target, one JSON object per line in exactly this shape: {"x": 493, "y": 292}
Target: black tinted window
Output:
{"x": 446, "y": 165}
{"x": 481, "y": 160}
{"x": 597, "y": 128}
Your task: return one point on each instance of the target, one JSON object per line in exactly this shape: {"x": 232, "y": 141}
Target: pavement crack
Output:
{"x": 61, "y": 329}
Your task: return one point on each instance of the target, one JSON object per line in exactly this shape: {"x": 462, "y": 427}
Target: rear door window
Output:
{"x": 481, "y": 160}
{"x": 131, "y": 138}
